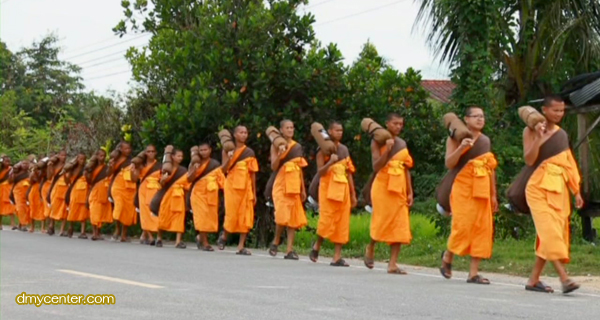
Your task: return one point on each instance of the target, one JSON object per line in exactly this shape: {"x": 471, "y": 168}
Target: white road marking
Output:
{"x": 124, "y": 281}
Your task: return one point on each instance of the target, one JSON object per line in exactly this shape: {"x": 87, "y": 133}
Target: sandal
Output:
{"x": 63, "y": 234}
{"x": 221, "y": 243}
{"x": 339, "y": 263}
{"x": 314, "y": 255}
{"x": 539, "y": 287}
{"x": 207, "y": 248}
{"x": 273, "y": 250}
{"x": 397, "y": 271}
{"x": 478, "y": 280}
{"x": 50, "y": 231}
{"x": 83, "y": 236}
{"x": 181, "y": 245}
{"x": 446, "y": 269}
{"x": 569, "y": 286}
{"x": 159, "y": 244}
{"x": 151, "y": 243}
{"x": 292, "y": 255}
{"x": 244, "y": 252}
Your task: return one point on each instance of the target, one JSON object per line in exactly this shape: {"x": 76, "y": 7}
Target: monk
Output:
{"x": 122, "y": 190}
{"x": 45, "y": 187}
{"x": 288, "y": 191}
{"x": 6, "y": 207}
{"x": 34, "y": 198}
{"x": 19, "y": 178}
{"x": 472, "y": 197}
{"x": 240, "y": 167}
{"x": 206, "y": 179}
{"x": 391, "y": 195}
{"x": 58, "y": 192}
{"x": 169, "y": 202}
{"x": 76, "y": 200}
{"x": 98, "y": 179}
{"x": 336, "y": 196}
{"x": 148, "y": 177}
{"x": 550, "y": 173}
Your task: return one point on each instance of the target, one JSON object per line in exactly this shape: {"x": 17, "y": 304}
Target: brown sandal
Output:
{"x": 397, "y": 271}
{"x": 478, "y": 280}
{"x": 446, "y": 269}
{"x": 569, "y": 286}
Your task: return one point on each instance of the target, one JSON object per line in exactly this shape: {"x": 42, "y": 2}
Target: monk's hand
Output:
{"x": 354, "y": 201}
{"x": 540, "y": 129}
{"x": 303, "y": 195}
{"x": 334, "y": 158}
{"x": 282, "y": 149}
{"x": 410, "y": 200}
{"x": 389, "y": 143}
{"x": 578, "y": 201}
{"x": 466, "y": 143}
{"x": 495, "y": 206}
{"x": 230, "y": 154}
{"x": 196, "y": 166}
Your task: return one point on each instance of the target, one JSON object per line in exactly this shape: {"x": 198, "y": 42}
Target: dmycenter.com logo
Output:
{"x": 72, "y": 299}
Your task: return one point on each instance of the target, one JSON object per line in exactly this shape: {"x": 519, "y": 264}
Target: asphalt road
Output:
{"x": 162, "y": 283}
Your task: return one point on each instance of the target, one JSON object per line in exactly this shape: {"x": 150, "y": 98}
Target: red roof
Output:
{"x": 440, "y": 90}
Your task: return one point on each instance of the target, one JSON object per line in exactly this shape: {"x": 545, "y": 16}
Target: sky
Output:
{"x": 84, "y": 28}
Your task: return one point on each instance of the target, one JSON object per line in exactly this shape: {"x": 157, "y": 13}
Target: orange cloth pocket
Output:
{"x": 81, "y": 185}
{"x": 177, "y": 201}
{"x": 554, "y": 181}
{"x": 292, "y": 178}
{"x": 240, "y": 175}
{"x": 397, "y": 177}
{"x": 338, "y": 184}
{"x": 153, "y": 183}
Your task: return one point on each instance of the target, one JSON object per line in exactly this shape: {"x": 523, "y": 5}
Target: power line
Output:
{"x": 100, "y": 58}
{"x": 318, "y": 4}
{"x": 359, "y": 13}
{"x": 103, "y": 62}
{"x": 107, "y": 75}
{"x": 104, "y": 48}
{"x": 112, "y": 68}
{"x": 99, "y": 42}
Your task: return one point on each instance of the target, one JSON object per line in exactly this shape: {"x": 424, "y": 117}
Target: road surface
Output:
{"x": 169, "y": 283}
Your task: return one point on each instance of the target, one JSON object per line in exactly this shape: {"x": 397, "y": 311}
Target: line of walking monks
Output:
{"x": 161, "y": 192}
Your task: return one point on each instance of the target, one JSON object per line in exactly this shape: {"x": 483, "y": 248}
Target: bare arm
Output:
{"x": 225, "y": 160}
{"x": 379, "y": 160}
{"x": 323, "y": 166}
{"x": 165, "y": 177}
{"x": 352, "y": 186}
{"x": 532, "y": 142}
{"x": 454, "y": 151}
{"x": 493, "y": 185}
{"x": 253, "y": 177}
{"x": 135, "y": 173}
{"x": 274, "y": 158}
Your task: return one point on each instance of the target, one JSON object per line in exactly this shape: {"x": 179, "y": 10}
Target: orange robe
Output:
{"x": 148, "y": 188}
{"x": 100, "y": 208}
{"x": 36, "y": 205}
{"x": 287, "y": 193}
{"x": 171, "y": 215}
{"x": 58, "y": 193}
{"x": 78, "y": 210}
{"x": 20, "y": 195}
{"x": 123, "y": 193}
{"x": 335, "y": 203}
{"x": 548, "y": 198}
{"x": 204, "y": 199}
{"x": 6, "y": 207}
{"x": 390, "y": 221}
{"x": 44, "y": 192}
{"x": 239, "y": 194}
{"x": 472, "y": 230}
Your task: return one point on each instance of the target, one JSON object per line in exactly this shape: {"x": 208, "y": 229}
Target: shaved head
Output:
{"x": 284, "y": 122}
{"x": 236, "y": 129}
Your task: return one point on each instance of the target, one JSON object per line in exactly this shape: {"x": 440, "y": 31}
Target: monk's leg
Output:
{"x": 538, "y": 267}
{"x": 394, "y": 252}
{"x": 123, "y": 233}
{"x": 159, "y": 238}
{"x": 83, "y": 229}
{"x": 446, "y": 268}
{"x": 178, "y": 238}
{"x": 63, "y": 224}
{"x": 242, "y": 243}
{"x": 32, "y": 226}
{"x": 12, "y": 221}
{"x": 318, "y": 244}
{"x": 117, "y": 230}
{"x": 474, "y": 268}
{"x": 150, "y": 237}
{"x": 144, "y": 236}
{"x": 337, "y": 253}
{"x": 204, "y": 239}
{"x": 278, "y": 233}
{"x": 291, "y": 234}
{"x": 562, "y": 272}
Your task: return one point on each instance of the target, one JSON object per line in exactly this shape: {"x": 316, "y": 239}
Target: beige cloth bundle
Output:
{"x": 323, "y": 139}
{"x": 195, "y": 155}
{"x": 91, "y": 165}
{"x": 140, "y": 159}
{"x": 457, "y": 129}
{"x": 167, "y": 160}
{"x": 70, "y": 165}
{"x": 377, "y": 132}
{"x": 226, "y": 140}
{"x": 276, "y": 138}
{"x": 531, "y": 116}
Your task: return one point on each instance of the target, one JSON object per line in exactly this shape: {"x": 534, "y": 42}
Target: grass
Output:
{"x": 510, "y": 256}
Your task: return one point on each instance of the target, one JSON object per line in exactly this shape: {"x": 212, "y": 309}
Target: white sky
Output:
{"x": 84, "y": 27}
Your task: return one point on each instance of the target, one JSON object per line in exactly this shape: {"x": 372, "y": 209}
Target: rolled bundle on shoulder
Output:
{"x": 323, "y": 139}
{"x": 115, "y": 153}
{"x": 43, "y": 163}
{"x": 276, "y": 138}
{"x": 139, "y": 159}
{"x": 195, "y": 155}
{"x": 70, "y": 165}
{"x": 531, "y": 116}
{"x": 226, "y": 140}
{"x": 167, "y": 160}
{"x": 457, "y": 130}
{"x": 373, "y": 129}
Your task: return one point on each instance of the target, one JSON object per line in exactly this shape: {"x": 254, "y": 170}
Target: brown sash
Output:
{"x": 211, "y": 165}
{"x": 155, "y": 167}
{"x": 155, "y": 203}
{"x": 118, "y": 169}
{"x": 313, "y": 189}
{"x": 556, "y": 144}
{"x": 71, "y": 185}
{"x": 18, "y": 179}
{"x": 398, "y": 146}
{"x": 294, "y": 152}
{"x": 57, "y": 175}
{"x": 42, "y": 182}
{"x": 245, "y": 154}
{"x": 481, "y": 146}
